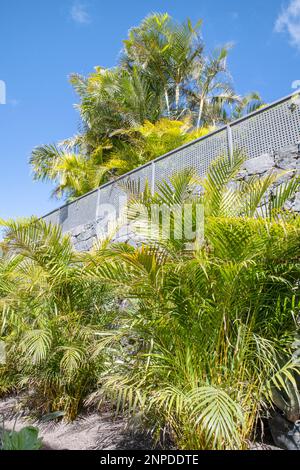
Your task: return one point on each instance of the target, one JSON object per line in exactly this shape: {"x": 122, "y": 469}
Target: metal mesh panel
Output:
{"x": 115, "y": 193}
{"x": 198, "y": 155}
{"x": 141, "y": 176}
{"x": 79, "y": 212}
{"x": 52, "y": 218}
{"x": 272, "y": 129}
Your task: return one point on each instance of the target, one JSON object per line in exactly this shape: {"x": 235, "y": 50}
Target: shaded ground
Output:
{"x": 89, "y": 431}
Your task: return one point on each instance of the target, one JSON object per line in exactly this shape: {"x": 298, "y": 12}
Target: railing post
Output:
{"x": 152, "y": 178}
{"x": 229, "y": 142}
{"x": 97, "y": 213}
{"x": 97, "y": 204}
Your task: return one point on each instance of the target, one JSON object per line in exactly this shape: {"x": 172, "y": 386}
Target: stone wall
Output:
{"x": 83, "y": 237}
{"x": 285, "y": 161}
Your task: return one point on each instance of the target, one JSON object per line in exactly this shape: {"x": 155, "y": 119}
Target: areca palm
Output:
{"x": 201, "y": 348}
{"x": 247, "y": 104}
{"x": 167, "y": 51}
{"x": 74, "y": 174}
{"x": 164, "y": 72}
{"x": 203, "y": 327}
{"x": 76, "y": 168}
{"x": 212, "y": 97}
{"x": 144, "y": 143}
{"x": 207, "y": 331}
{"x": 49, "y": 318}
{"x": 220, "y": 194}
{"x": 115, "y": 99}
{"x": 227, "y": 196}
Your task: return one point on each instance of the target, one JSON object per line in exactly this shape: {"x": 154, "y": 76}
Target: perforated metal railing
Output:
{"x": 271, "y": 128}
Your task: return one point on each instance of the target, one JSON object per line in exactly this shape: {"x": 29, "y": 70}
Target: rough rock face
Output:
{"x": 288, "y": 160}
{"x": 84, "y": 237}
{"x": 283, "y": 162}
{"x": 259, "y": 165}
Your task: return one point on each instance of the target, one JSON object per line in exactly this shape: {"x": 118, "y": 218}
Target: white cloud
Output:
{"x": 289, "y": 22}
{"x": 79, "y": 13}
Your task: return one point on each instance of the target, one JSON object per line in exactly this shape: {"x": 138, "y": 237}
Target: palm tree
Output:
{"x": 74, "y": 173}
{"x": 49, "y": 318}
{"x": 246, "y": 105}
{"x": 164, "y": 72}
{"x": 76, "y": 168}
{"x": 211, "y": 95}
{"x": 208, "y": 333}
{"x": 115, "y": 99}
{"x": 144, "y": 143}
{"x": 167, "y": 52}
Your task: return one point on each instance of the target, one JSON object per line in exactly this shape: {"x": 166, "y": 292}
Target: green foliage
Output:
{"x": 76, "y": 174}
{"x": 149, "y": 141}
{"x": 50, "y": 316}
{"x": 287, "y": 399}
{"x": 73, "y": 173}
{"x": 25, "y": 439}
{"x": 204, "y": 343}
{"x": 209, "y": 335}
{"x": 129, "y": 113}
{"x": 205, "y": 320}
{"x": 114, "y": 99}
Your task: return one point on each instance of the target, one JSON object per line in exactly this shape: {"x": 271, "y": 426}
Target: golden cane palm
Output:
{"x": 150, "y": 140}
{"x": 73, "y": 173}
{"x": 114, "y": 99}
{"x": 164, "y": 75}
{"x": 206, "y": 334}
{"x": 50, "y": 315}
{"x": 210, "y": 331}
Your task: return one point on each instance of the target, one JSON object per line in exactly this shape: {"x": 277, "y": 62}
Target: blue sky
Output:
{"x": 42, "y": 42}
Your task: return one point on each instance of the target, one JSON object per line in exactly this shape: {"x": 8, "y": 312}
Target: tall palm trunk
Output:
{"x": 201, "y": 105}
{"x": 167, "y": 102}
{"x": 177, "y": 95}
